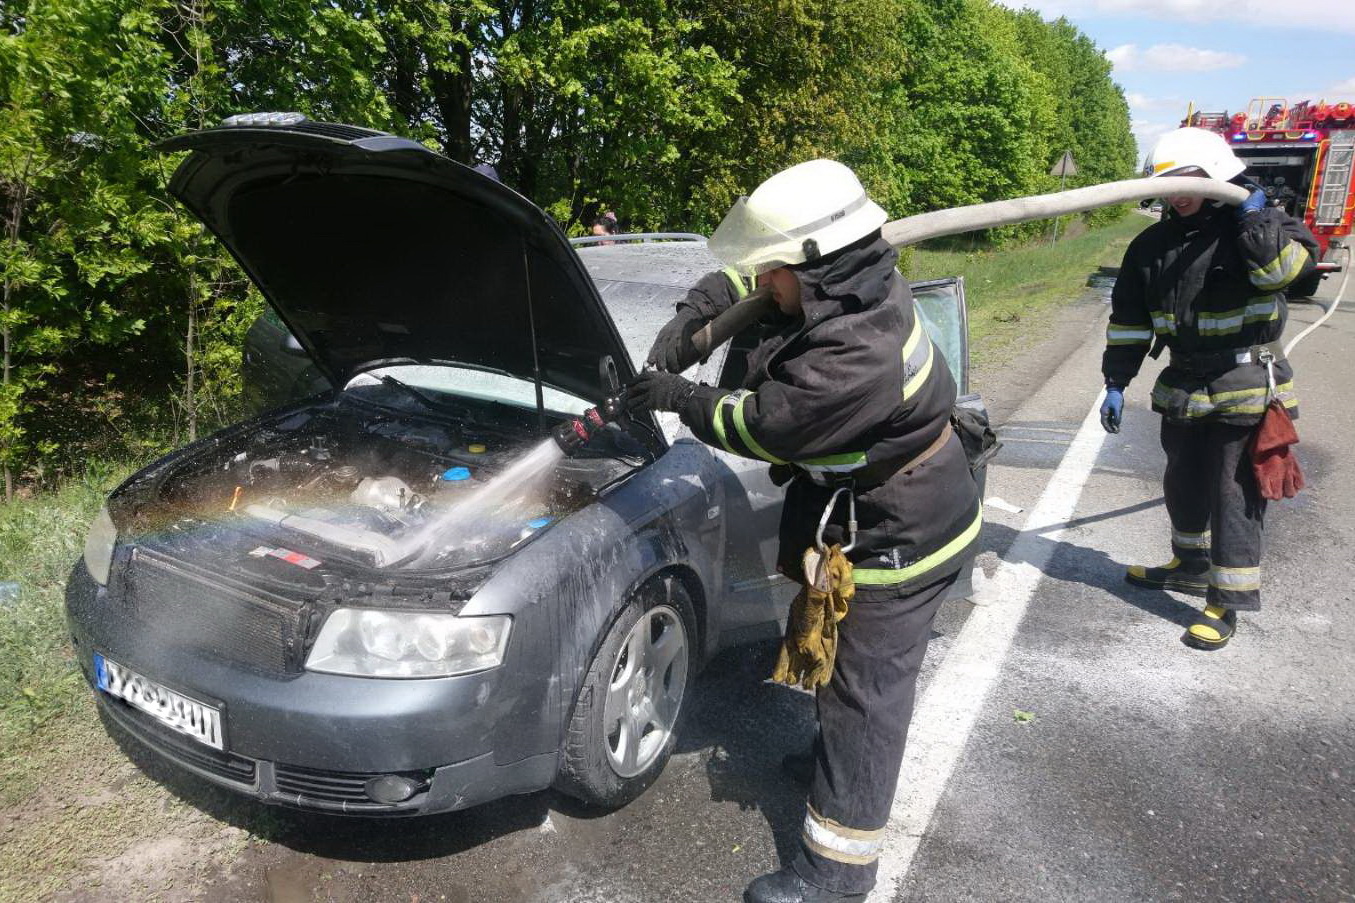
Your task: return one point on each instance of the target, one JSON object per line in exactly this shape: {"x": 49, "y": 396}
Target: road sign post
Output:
{"x": 1064, "y": 168}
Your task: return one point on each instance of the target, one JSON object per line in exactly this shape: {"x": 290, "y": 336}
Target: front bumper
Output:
{"x": 314, "y": 740}
{"x": 447, "y": 788}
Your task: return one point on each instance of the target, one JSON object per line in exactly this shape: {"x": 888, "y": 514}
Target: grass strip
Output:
{"x": 41, "y": 538}
{"x": 1011, "y": 292}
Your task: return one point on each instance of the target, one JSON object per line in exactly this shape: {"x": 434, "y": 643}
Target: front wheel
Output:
{"x": 622, "y": 730}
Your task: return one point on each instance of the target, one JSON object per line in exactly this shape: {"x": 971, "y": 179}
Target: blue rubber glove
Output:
{"x": 1112, "y": 409}
{"x": 1255, "y": 203}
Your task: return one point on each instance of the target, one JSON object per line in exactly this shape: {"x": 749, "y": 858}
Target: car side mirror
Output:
{"x": 291, "y": 346}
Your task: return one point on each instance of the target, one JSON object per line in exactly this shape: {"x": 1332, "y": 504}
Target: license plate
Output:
{"x": 173, "y": 710}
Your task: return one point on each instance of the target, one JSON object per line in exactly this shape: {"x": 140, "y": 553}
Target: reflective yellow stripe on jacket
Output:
{"x": 1128, "y": 335}
{"x": 888, "y": 576}
{"x": 1282, "y": 270}
{"x": 1230, "y": 321}
{"x": 742, "y": 284}
{"x": 730, "y": 407}
{"x": 918, "y": 355}
{"x": 1238, "y": 401}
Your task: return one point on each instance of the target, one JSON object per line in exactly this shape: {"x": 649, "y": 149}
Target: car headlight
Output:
{"x": 99, "y": 546}
{"x": 369, "y": 643}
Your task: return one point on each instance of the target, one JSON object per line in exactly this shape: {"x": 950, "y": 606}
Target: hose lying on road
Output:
{"x": 913, "y": 229}
{"x": 1336, "y": 302}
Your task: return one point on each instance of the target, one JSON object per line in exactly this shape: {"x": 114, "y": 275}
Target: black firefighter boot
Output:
{"x": 1189, "y": 576}
{"x": 786, "y": 886}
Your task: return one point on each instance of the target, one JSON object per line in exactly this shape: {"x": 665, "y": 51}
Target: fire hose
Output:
{"x": 920, "y": 227}
{"x": 913, "y": 229}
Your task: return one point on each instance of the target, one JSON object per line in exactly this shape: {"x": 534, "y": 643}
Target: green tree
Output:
{"x": 663, "y": 110}
{"x": 1091, "y": 117}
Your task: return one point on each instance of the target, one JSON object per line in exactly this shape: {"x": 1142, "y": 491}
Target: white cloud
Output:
{"x": 1142, "y": 103}
{"x": 1311, "y": 15}
{"x": 1172, "y": 58}
{"x": 1146, "y": 133}
{"x": 1346, "y": 87}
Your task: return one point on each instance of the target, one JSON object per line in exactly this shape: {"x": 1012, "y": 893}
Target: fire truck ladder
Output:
{"x": 1331, "y": 197}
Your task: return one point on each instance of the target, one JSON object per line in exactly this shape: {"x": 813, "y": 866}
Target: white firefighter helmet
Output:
{"x": 812, "y": 209}
{"x": 1186, "y": 149}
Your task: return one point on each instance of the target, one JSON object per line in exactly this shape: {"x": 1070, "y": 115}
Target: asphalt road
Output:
{"x": 1067, "y": 745}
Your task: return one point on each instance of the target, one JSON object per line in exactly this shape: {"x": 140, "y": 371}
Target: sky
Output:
{"x": 1217, "y": 53}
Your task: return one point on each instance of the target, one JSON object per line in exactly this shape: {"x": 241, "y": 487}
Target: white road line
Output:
{"x": 948, "y": 710}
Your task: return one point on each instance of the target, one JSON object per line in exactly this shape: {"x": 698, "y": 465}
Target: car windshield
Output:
{"x": 468, "y": 382}
{"x": 639, "y": 310}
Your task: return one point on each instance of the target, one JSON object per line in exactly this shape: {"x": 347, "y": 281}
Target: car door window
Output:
{"x": 941, "y": 306}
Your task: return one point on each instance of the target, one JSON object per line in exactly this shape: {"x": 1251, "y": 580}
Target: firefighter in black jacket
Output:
{"x": 850, "y": 393}
{"x": 1208, "y": 283}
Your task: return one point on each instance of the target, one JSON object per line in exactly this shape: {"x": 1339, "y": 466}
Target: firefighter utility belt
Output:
{"x": 1210, "y": 363}
{"x": 874, "y": 474}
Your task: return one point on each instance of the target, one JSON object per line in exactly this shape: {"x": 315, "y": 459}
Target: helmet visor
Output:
{"x": 751, "y": 246}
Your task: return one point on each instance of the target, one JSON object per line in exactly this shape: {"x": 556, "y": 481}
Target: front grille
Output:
{"x": 340, "y": 791}
{"x": 161, "y": 739}
{"x": 211, "y": 616}
{"x": 335, "y": 786}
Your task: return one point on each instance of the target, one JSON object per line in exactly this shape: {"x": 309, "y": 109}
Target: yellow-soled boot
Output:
{"x": 1212, "y": 629}
{"x": 1182, "y": 576}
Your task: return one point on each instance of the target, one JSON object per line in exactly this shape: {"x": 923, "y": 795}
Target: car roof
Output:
{"x": 675, "y": 264}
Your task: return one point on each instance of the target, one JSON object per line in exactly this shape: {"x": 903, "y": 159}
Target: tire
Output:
{"x": 622, "y": 730}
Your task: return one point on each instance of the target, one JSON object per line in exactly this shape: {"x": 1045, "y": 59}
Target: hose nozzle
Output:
{"x": 574, "y": 434}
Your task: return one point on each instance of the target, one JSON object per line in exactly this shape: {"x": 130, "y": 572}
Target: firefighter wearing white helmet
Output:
{"x": 801, "y": 213}
{"x": 1191, "y": 149}
{"x": 1208, "y": 284}
{"x": 849, "y": 402}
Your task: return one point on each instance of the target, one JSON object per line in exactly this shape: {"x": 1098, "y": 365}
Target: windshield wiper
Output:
{"x": 429, "y": 401}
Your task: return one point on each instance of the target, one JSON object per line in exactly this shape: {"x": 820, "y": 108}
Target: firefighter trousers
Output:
{"x": 1215, "y": 507}
{"x": 863, "y": 722}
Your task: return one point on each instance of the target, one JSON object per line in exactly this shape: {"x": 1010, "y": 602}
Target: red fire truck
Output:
{"x": 1301, "y": 155}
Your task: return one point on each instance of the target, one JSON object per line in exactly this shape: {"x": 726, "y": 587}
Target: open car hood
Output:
{"x": 375, "y": 250}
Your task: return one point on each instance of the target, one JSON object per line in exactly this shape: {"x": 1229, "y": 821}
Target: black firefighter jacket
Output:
{"x": 851, "y": 391}
{"x": 1207, "y": 283}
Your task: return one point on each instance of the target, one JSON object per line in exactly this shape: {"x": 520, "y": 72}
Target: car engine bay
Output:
{"x": 384, "y": 491}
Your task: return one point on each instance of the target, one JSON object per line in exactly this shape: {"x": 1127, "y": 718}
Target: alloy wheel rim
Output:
{"x": 644, "y": 692}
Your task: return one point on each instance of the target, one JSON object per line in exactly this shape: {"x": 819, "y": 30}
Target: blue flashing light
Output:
{"x": 1240, "y": 136}
{"x": 1309, "y": 136}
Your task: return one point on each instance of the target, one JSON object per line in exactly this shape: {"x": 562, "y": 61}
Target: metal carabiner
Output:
{"x": 828, "y": 513}
{"x": 1267, "y": 357}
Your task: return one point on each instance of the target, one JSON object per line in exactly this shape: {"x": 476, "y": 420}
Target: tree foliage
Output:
{"x": 662, "y": 110}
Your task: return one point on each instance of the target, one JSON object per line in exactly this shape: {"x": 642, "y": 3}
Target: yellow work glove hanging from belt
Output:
{"x": 810, "y": 644}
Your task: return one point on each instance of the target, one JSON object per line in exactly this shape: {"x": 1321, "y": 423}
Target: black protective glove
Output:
{"x": 673, "y": 349}
{"x": 655, "y": 390}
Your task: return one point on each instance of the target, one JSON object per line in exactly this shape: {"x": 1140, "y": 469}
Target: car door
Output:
{"x": 941, "y": 305}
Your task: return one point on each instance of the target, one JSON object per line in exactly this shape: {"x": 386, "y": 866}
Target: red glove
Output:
{"x": 1273, "y": 461}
